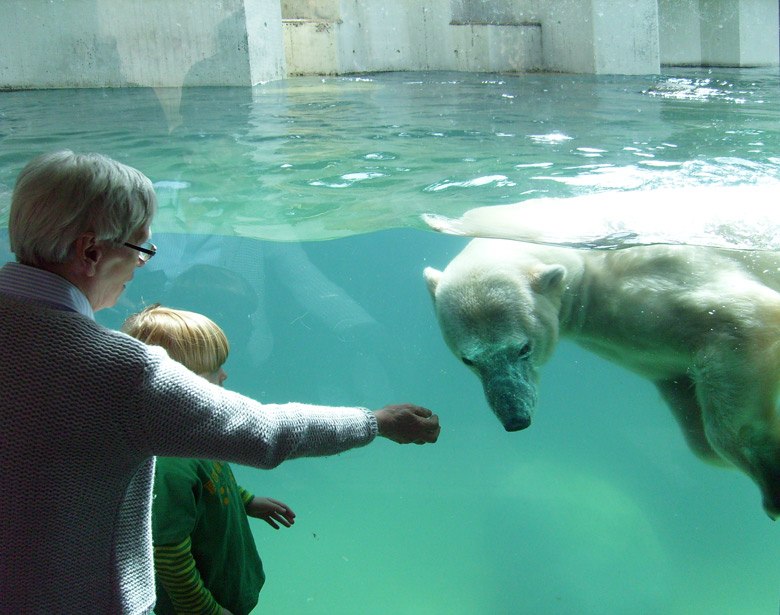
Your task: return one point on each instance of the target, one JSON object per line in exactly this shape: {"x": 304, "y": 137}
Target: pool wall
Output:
{"x": 125, "y": 43}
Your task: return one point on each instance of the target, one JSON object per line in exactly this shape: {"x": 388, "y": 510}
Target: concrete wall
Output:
{"x": 360, "y": 36}
{"x": 680, "y": 32}
{"x": 736, "y": 32}
{"x": 719, "y": 32}
{"x": 265, "y": 46}
{"x": 583, "y": 36}
{"x": 625, "y": 36}
{"x": 174, "y": 43}
{"x": 118, "y": 43}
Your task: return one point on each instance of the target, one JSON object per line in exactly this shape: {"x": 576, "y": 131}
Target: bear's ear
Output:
{"x": 549, "y": 278}
{"x": 432, "y": 277}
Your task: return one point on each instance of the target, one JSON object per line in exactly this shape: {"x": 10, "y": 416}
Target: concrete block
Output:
{"x": 125, "y": 43}
{"x": 265, "y": 45}
{"x": 758, "y": 32}
{"x": 625, "y": 37}
{"x": 384, "y": 36}
{"x": 311, "y": 47}
{"x": 495, "y": 48}
{"x": 679, "y": 29}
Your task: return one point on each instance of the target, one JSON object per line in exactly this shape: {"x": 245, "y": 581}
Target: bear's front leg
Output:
{"x": 680, "y": 395}
{"x": 762, "y": 460}
{"x": 737, "y": 392}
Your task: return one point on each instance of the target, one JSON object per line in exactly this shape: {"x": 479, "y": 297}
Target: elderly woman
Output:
{"x": 85, "y": 409}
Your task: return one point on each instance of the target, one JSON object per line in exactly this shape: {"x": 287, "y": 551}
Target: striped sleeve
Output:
{"x": 246, "y": 496}
{"x": 176, "y": 571}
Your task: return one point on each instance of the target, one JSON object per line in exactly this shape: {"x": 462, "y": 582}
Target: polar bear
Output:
{"x": 703, "y": 324}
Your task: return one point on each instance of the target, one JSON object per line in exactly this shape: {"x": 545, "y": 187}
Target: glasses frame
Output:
{"x": 143, "y": 253}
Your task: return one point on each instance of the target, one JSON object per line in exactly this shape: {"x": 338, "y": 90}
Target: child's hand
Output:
{"x": 271, "y": 511}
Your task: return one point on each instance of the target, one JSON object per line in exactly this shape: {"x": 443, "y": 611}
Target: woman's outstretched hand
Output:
{"x": 407, "y": 424}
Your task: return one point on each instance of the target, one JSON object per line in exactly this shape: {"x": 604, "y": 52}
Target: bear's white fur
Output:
{"x": 703, "y": 324}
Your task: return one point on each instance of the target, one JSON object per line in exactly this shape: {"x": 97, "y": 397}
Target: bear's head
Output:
{"x": 498, "y": 305}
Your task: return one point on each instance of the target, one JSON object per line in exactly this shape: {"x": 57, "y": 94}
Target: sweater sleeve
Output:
{"x": 182, "y": 415}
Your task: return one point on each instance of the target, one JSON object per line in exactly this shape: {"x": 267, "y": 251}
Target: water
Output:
{"x": 598, "y": 508}
{"x": 311, "y": 159}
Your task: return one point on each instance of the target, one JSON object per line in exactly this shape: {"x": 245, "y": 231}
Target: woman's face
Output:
{"x": 117, "y": 267}
{"x": 217, "y": 377}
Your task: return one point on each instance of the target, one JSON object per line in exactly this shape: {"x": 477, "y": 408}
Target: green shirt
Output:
{"x": 205, "y": 555}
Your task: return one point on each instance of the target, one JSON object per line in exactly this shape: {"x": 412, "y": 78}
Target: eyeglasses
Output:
{"x": 145, "y": 250}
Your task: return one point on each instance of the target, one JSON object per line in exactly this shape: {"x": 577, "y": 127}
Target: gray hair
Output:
{"x": 59, "y": 196}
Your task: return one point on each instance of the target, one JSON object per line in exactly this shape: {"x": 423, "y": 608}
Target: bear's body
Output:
{"x": 703, "y": 324}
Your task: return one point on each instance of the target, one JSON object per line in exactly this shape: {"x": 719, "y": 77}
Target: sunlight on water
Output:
{"x": 598, "y": 508}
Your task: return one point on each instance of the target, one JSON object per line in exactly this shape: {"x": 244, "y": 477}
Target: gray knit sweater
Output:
{"x": 83, "y": 410}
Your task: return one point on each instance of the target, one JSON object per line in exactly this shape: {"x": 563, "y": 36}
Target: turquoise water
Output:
{"x": 598, "y": 508}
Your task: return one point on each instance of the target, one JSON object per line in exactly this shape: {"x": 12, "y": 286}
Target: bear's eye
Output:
{"x": 468, "y": 361}
{"x": 524, "y": 351}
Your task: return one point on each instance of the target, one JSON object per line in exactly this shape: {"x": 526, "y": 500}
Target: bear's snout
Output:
{"x": 517, "y": 423}
{"x": 512, "y": 401}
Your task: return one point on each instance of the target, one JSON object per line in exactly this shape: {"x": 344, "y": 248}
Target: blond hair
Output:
{"x": 190, "y": 338}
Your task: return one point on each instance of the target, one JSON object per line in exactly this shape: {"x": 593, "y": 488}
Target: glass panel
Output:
{"x": 291, "y": 213}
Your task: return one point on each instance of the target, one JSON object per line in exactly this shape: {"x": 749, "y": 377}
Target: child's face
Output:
{"x": 217, "y": 377}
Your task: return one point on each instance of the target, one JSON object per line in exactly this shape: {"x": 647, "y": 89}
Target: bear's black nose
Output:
{"x": 517, "y": 423}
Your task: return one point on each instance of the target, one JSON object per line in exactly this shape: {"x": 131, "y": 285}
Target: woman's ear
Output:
{"x": 87, "y": 253}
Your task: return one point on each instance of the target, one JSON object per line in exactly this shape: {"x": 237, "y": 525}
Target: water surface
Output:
{"x": 317, "y": 158}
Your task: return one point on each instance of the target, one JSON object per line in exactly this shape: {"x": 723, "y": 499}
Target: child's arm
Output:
{"x": 175, "y": 568}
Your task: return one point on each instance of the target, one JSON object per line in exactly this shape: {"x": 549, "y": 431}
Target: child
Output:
{"x": 204, "y": 553}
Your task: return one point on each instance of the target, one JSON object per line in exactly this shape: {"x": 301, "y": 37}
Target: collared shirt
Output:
{"x": 40, "y": 285}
